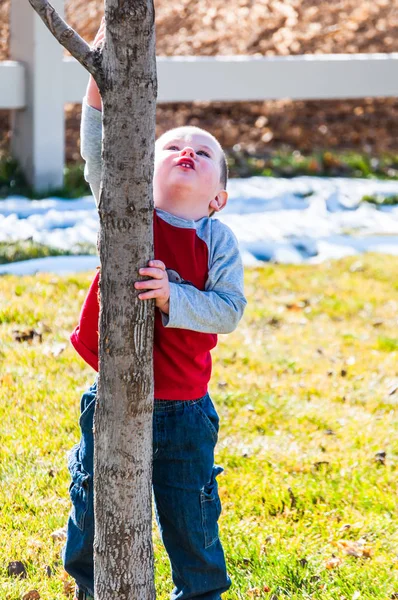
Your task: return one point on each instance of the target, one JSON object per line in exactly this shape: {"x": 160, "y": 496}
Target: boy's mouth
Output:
{"x": 187, "y": 163}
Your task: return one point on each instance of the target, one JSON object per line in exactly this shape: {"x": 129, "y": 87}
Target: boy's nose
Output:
{"x": 188, "y": 151}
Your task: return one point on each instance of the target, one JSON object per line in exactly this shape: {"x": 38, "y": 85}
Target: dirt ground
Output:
{"x": 261, "y": 27}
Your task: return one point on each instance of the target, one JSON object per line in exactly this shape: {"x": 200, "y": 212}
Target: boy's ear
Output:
{"x": 219, "y": 201}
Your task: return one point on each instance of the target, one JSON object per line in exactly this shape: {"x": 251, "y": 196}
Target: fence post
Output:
{"x": 38, "y": 136}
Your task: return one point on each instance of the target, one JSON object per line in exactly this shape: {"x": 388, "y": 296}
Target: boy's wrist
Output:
{"x": 93, "y": 96}
{"x": 165, "y": 308}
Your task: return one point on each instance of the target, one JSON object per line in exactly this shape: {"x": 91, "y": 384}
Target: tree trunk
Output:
{"x": 123, "y": 419}
{"x": 125, "y": 71}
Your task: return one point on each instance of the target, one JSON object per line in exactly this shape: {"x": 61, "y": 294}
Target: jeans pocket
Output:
{"x": 209, "y": 415}
{"x": 79, "y": 487}
{"x": 211, "y": 507}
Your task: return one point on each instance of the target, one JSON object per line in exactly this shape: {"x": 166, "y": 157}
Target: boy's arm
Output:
{"x": 91, "y": 128}
{"x": 91, "y": 146}
{"x": 219, "y": 308}
{"x": 93, "y": 96}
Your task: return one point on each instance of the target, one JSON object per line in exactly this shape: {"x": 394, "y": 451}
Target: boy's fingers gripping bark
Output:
{"x": 152, "y": 294}
{"x": 158, "y": 287}
{"x": 152, "y": 272}
{"x": 150, "y": 284}
{"x": 158, "y": 264}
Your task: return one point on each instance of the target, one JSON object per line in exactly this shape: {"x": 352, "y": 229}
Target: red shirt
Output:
{"x": 182, "y": 360}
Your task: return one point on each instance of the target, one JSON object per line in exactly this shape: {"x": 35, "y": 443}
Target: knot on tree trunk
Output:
{"x": 126, "y": 10}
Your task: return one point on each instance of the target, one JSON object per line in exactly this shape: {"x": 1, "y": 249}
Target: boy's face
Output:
{"x": 187, "y": 173}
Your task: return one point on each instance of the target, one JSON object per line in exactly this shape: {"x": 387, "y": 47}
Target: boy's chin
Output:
{"x": 179, "y": 188}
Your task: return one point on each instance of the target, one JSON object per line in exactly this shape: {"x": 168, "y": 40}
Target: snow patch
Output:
{"x": 299, "y": 220}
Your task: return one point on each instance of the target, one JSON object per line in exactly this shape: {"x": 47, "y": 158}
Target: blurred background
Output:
{"x": 268, "y": 28}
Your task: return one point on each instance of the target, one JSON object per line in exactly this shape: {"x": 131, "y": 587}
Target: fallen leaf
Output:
{"x": 31, "y": 595}
{"x": 59, "y": 534}
{"x": 303, "y": 562}
{"x": 68, "y": 587}
{"x": 270, "y": 539}
{"x": 55, "y": 350}
{"x": 43, "y": 327}
{"x": 333, "y": 563}
{"x": 358, "y": 549}
{"x": 254, "y": 592}
{"x": 35, "y": 544}
{"x": 16, "y": 569}
{"x": 380, "y": 457}
{"x": 48, "y": 570}
{"x": 320, "y": 463}
{"x": 7, "y": 379}
{"x": 293, "y": 499}
{"x": 357, "y": 266}
{"x": 26, "y": 336}
{"x": 295, "y": 307}
{"x": 274, "y": 322}
{"x": 68, "y": 584}
{"x": 378, "y": 323}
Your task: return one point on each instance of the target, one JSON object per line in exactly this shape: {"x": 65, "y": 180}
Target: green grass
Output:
{"x": 323, "y": 163}
{"x": 27, "y": 249}
{"x": 305, "y": 393}
{"x": 379, "y": 200}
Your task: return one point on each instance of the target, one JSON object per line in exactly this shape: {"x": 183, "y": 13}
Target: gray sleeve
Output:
{"x": 91, "y": 146}
{"x": 219, "y": 308}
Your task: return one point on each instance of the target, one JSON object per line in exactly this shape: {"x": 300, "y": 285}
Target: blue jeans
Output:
{"x": 186, "y": 500}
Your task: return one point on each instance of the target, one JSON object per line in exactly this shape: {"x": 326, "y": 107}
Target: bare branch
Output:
{"x": 91, "y": 59}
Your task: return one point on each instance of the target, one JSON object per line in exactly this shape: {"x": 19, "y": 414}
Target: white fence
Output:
{"x": 37, "y": 83}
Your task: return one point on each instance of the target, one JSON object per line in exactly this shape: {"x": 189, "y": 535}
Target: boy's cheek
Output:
{"x": 210, "y": 179}
{"x": 160, "y": 167}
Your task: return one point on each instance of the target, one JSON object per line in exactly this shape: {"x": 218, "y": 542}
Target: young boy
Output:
{"x": 196, "y": 279}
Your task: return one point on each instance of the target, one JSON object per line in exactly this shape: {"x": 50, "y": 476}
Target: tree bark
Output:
{"x": 125, "y": 72}
{"x": 123, "y": 419}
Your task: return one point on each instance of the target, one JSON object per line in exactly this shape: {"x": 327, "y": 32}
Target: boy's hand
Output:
{"x": 93, "y": 95}
{"x": 100, "y": 35}
{"x": 159, "y": 286}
